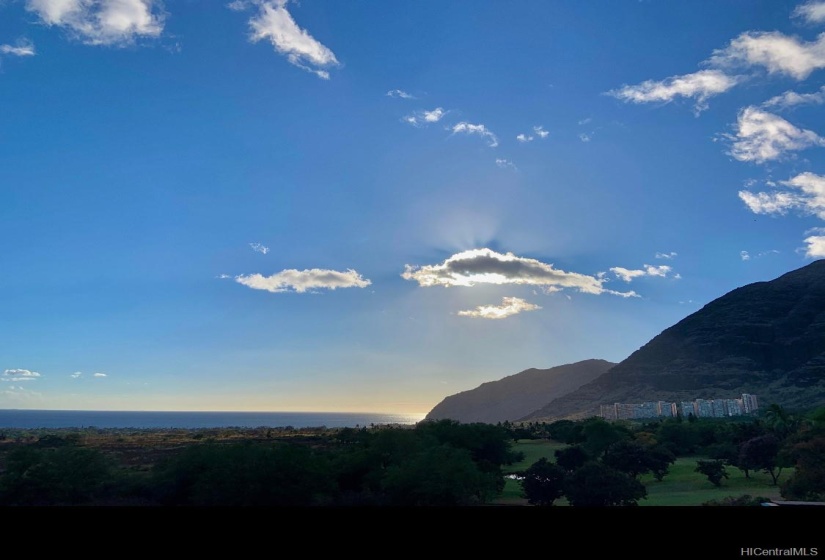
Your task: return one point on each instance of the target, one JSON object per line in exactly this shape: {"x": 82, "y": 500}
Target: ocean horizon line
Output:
{"x": 26, "y": 418}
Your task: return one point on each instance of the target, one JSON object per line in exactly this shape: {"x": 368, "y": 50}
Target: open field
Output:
{"x": 685, "y": 487}
{"x": 681, "y": 487}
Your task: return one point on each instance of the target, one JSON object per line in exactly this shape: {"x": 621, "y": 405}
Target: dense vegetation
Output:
{"x": 436, "y": 463}
{"x": 440, "y": 463}
{"x": 603, "y": 462}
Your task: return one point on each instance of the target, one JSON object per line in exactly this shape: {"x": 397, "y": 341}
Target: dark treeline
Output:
{"x": 440, "y": 463}
{"x": 435, "y": 463}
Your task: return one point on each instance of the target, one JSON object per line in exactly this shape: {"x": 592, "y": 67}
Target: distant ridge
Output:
{"x": 517, "y": 395}
{"x": 766, "y": 338}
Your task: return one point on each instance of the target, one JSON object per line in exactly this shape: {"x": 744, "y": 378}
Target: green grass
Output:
{"x": 533, "y": 449}
{"x": 682, "y": 486}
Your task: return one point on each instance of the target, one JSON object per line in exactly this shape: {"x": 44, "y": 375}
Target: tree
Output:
{"x": 714, "y": 469}
{"x": 599, "y": 435}
{"x": 597, "y": 485}
{"x": 68, "y": 475}
{"x": 543, "y": 483}
{"x": 439, "y": 476}
{"x": 762, "y": 453}
{"x": 634, "y": 458}
{"x": 808, "y": 480}
{"x": 778, "y": 421}
{"x": 571, "y": 458}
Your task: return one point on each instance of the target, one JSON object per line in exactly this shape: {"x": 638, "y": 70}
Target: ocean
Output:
{"x": 140, "y": 420}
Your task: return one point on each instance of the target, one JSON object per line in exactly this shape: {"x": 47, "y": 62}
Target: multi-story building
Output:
{"x": 701, "y": 408}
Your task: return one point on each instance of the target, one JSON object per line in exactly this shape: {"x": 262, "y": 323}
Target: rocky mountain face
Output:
{"x": 766, "y": 338}
{"x": 518, "y": 395}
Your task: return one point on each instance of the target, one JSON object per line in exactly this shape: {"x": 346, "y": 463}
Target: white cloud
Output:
{"x": 76, "y": 374}
{"x": 585, "y": 121}
{"x": 506, "y": 163}
{"x": 485, "y": 266}
{"x": 585, "y": 137}
{"x": 700, "y": 86}
{"x": 509, "y": 306}
{"x": 478, "y": 129}
{"x": 649, "y": 270}
{"x": 259, "y": 248}
{"x": 223, "y": 276}
{"x": 19, "y": 375}
{"x": 539, "y": 130}
{"x": 770, "y": 203}
{"x": 434, "y": 115}
{"x": 808, "y": 197}
{"x": 777, "y": 53}
{"x": 302, "y": 280}
{"x": 668, "y": 256}
{"x": 816, "y": 245}
{"x": 626, "y": 274}
{"x": 425, "y": 117}
{"x": 811, "y": 12}
{"x": 792, "y": 99}
{"x": 763, "y": 136}
{"x": 99, "y": 375}
{"x": 23, "y": 48}
{"x": 102, "y": 22}
{"x": 399, "y": 93}
{"x": 275, "y": 24}
{"x": 745, "y": 256}
{"x": 238, "y": 5}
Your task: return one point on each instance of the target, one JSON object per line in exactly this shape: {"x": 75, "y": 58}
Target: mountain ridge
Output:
{"x": 519, "y": 394}
{"x": 765, "y": 338}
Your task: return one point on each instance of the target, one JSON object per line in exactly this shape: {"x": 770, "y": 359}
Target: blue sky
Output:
{"x": 368, "y": 206}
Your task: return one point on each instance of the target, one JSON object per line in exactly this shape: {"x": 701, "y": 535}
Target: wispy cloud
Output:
{"x": 102, "y": 22}
{"x": 538, "y": 130}
{"x": 509, "y": 306}
{"x": 506, "y": 164}
{"x": 420, "y": 118}
{"x": 476, "y": 129}
{"x": 762, "y": 136}
{"x": 774, "y": 51}
{"x": 811, "y": 12}
{"x": 259, "y": 248}
{"x": 275, "y": 24}
{"x": 585, "y": 137}
{"x": 700, "y": 86}
{"x": 485, "y": 266}
{"x": 746, "y": 256}
{"x": 301, "y": 281}
{"x": 99, "y": 374}
{"x": 76, "y": 374}
{"x": 806, "y": 194}
{"x": 671, "y": 255}
{"x": 23, "y": 48}
{"x": 400, "y": 93}
{"x": 19, "y": 375}
{"x": 792, "y": 99}
{"x": 649, "y": 270}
